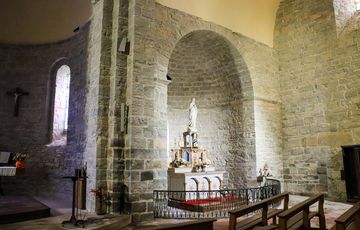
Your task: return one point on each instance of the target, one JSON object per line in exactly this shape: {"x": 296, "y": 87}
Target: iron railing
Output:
{"x": 209, "y": 204}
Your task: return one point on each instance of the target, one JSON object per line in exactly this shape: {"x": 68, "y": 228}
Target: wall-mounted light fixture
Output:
{"x": 124, "y": 46}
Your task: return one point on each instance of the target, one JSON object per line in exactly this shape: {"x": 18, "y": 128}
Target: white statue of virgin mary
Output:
{"x": 192, "y": 116}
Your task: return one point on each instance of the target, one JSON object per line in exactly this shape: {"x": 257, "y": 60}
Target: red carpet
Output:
{"x": 209, "y": 201}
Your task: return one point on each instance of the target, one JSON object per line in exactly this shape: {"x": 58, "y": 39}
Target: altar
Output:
{"x": 194, "y": 181}
{"x": 6, "y": 169}
{"x": 190, "y": 172}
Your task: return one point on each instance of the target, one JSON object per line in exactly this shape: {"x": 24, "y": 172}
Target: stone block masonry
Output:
{"x": 33, "y": 68}
{"x": 202, "y": 67}
{"x": 319, "y": 89}
{"x": 234, "y": 79}
{"x": 155, "y": 31}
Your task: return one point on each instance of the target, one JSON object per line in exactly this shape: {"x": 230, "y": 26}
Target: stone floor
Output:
{"x": 60, "y": 212}
{"x": 332, "y": 211}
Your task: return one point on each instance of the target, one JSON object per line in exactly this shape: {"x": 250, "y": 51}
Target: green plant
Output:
{"x": 98, "y": 192}
{"x": 265, "y": 171}
{"x": 178, "y": 162}
{"x": 20, "y": 156}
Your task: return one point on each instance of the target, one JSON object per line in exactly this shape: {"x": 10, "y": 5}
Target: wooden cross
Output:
{"x": 17, "y": 93}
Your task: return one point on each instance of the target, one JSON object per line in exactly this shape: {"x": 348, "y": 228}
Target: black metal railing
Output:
{"x": 209, "y": 204}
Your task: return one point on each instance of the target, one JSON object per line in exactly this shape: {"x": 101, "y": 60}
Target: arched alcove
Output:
{"x": 202, "y": 66}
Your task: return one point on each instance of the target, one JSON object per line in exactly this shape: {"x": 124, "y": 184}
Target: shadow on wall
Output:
{"x": 33, "y": 68}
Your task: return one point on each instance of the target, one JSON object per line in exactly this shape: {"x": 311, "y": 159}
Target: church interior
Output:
{"x": 95, "y": 99}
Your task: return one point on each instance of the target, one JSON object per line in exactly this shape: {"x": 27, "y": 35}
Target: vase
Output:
{"x": 20, "y": 164}
{"x": 100, "y": 207}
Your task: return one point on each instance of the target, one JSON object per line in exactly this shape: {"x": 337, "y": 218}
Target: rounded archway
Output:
{"x": 203, "y": 66}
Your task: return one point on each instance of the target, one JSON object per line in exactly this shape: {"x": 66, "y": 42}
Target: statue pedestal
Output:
{"x": 191, "y": 139}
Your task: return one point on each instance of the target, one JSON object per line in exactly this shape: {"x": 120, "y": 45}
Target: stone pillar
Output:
{"x": 117, "y": 133}
{"x": 115, "y": 67}
{"x": 147, "y": 96}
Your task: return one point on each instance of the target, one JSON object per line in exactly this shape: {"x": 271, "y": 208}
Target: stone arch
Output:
{"x": 240, "y": 54}
{"x": 196, "y": 183}
{"x": 237, "y": 77}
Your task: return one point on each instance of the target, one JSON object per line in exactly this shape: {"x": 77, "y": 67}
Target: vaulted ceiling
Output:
{"x": 253, "y": 18}
{"x": 41, "y": 21}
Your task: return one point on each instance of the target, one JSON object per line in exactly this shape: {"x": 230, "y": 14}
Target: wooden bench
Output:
{"x": 350, "y": 220}
{"x": 206, "y": 224}
{"x": 299, "y": 216}
{"x": 259, "y": 219}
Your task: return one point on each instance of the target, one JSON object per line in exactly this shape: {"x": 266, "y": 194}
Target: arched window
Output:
{"x": 346, "y": 15}
{"x": 61, "y": 104}
{"x": 357, "y": 4}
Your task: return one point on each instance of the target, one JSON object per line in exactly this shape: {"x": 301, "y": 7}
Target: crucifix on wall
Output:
{"x": 17, "y": 93}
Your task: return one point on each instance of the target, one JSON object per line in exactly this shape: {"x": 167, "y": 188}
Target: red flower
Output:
{"x": 97, "y": 192}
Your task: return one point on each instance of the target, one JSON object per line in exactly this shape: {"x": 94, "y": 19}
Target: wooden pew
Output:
{"x": 206, "y": 224}
{"x": 350, "y": 220}
{"x": 260, "y": 219}
{"x": 299, "y": 216}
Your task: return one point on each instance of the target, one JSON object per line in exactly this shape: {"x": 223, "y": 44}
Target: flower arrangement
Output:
{"x": 98, "y": 193}
{"x": 202, "y": 163}
{"x": 19, "y": 157}
{"x": 178, "y": 163}
{"x": 101, "y": 198}
{"x": 264, "y": 171}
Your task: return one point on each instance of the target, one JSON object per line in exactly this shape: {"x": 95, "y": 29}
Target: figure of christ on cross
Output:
{"x": 17, "y": 93}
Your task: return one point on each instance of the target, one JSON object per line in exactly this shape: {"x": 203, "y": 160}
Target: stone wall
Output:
{"x": 343, "y": 10}
{"x": 155, "y": 31}
{"x": 256, "y": 67}
{"x": 92, "y": 101}
{"x": 343, "y": 106}
{"x": 202, "y": 67}
{"x": 33, "y": 69}
{"x": 319, "y": 88}
{"x": 112, "y": 93}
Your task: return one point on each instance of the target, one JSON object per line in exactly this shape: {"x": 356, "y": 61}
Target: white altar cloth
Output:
{"x": 190, "y": 184}
{"x": 8, "y": 171}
